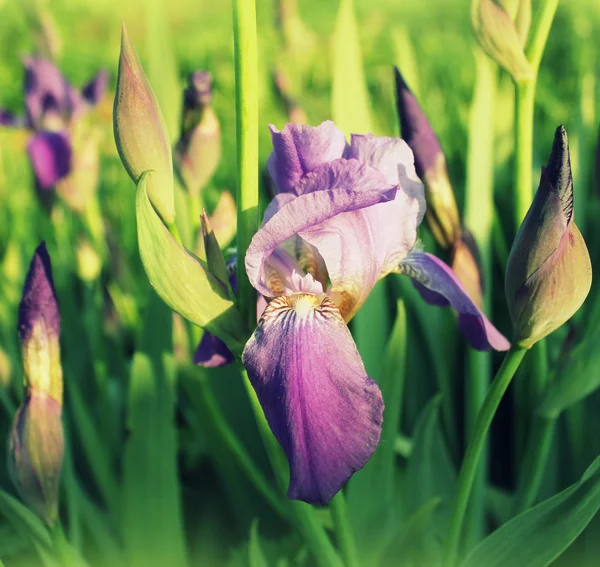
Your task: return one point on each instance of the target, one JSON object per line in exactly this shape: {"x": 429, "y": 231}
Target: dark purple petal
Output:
{"x": 50, "y": 156}
{"x": 438, "y": 285}
{"x": 394, "y": 158}
{"x": 9, "y": 119}
{"x": 212, "y": 352}
{"x": 299, "y": 149}
{"x": 339, "y": 194}
{"x": 38, "y": 304}
{"x": 318, "y": 400}
{"x": 94, "y": 91}
{"x": 46, "y": 91}
{"x": 415, "y": 128}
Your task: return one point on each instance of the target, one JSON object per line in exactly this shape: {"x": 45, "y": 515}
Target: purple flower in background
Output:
{"x": 53, "y": 109}
{"x": 344, "y": 216}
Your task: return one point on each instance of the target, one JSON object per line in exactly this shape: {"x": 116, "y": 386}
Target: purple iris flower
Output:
{"x": 344, "y": 217}
{"x": 52, "y": 108}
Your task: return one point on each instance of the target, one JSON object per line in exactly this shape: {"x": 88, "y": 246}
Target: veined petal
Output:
{"x": 317, "y": 398}
{"x": 394, "y": 158}
{"x": 305, "y": 214}
{"x": 50, "y": 156}
{"x": 439, "y": 285}
{"x": 298, "y": 149}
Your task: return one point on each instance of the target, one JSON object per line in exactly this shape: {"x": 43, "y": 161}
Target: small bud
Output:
{"x": 89, "y": 262}
{"x": 498, "y": 35}
{"x": 466, "y": 264}
{"x": 430, "y": 163}
{"x": 198, "y": 151}
{"x": 36, "y": 449}
{"x": 140, "y": 132}
{"x": 39, "y": 328}
{"x": 224, "y": 219}
{"x": 214, "y": 257}
{"x": 549, "y": 272}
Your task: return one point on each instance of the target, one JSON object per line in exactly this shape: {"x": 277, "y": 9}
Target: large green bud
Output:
{"x": 140, "y": 132}
{"x": 549, "y": 273}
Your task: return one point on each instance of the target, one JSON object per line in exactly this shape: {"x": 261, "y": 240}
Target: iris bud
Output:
{"x": 466, "y": 264}
{"x": 499, "y": 37}
{"x": 214, "y": 257}
{"x": 140, "y": 132}
{"x": 36, "y": 450}
{"x": 430, "y": 163}
{"x": 198, "y": 151}
{"x": 39, "y": 328}
{"x": 549, "y": 272}
{"x": 36, "y": 444}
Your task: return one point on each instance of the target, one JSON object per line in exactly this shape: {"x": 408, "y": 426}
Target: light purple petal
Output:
{"x": 307, "y": 212}
{"x": 299, "y": 149}
{"x": 50, "y": 156}
{"x": 394, "y": 158}
{"x": 439, "y": 285}
{"x": 46, "y": 91}
{"x": 212, "y": 352}
{"x": 94, "y": 91}
{"x": 318, "y": 400}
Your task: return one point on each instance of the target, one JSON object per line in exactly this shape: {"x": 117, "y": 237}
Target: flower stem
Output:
{"x": 317, "y": 540}
{"x": 246, "y": 97}
{"x": 479, "y": 219}
{"x": 523, "y": 182}
{"x": 471, "y": 460}
{"x": 344, "y": 532}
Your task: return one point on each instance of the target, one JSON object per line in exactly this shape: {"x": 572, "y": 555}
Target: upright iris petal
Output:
{"x": 311, "y": 382}
{"x": 50, "y": 156}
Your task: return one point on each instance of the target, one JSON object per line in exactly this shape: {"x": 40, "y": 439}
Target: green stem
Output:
{"x": 324, "y": 553}
{"x": 539, "y": 33}
{"x": 471, "y": 460}
{"x": 479, "y": 219}
{"x": 246, "y": 97}
{"x": 344, "y": 532}
{"x": 523, "y": 182}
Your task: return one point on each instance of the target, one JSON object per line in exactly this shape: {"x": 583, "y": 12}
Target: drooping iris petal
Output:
{"x": 50, "y": 156}
{"x": 212, "y": 352}
{"x": 347, "y": 186}
{"x": 299, "y": 149}
{"x": 394, "y": 158}
{"x": 438, "y": 285}
{"x": 95, "y": 89}
{"x": 318, "y": 400}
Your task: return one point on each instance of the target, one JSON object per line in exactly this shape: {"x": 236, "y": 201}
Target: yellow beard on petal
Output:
{"x": 303, "y": 303}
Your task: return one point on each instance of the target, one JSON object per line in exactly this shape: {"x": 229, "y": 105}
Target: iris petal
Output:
{"x": 299, "y": 149}
{"x": 394, "y": 158}
{"x": 50, "y": 156}
{"x": 307, "y": 214}
{"x": 212, "y": 352}
{"x": 439, "y": 285}
{"x": 318, "y": 400}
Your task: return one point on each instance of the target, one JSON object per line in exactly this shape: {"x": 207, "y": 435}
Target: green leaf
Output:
{"x": 152, "y": 515}
{"x": 23, "y": 520}
{"x": 371, "y": 492}
{"x": 540, "y": 535}
{"x": 351, "y": 109}
{"x": 578, "y": 377}
{"x": 429, "y": 467}
{"x": 182, "y": 280}
{"x": 255, "y": 554}
{"x": 412, "y": 545}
